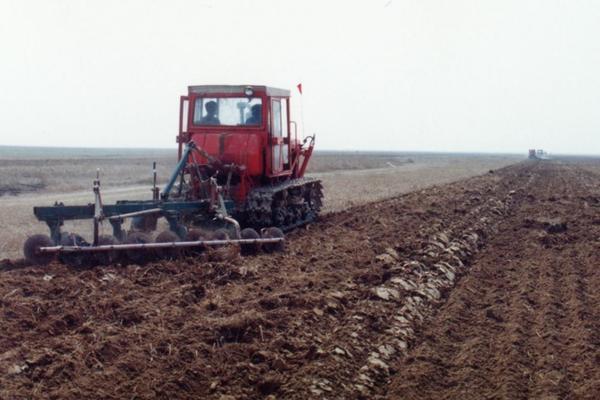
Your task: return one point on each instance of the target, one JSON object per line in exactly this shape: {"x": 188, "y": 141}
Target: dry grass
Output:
{"x": 66, "y": 175}
{"x": 348, "y": 178}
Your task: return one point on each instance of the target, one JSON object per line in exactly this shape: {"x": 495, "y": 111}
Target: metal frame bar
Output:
{"x": 135, "y": 214}
{"x": 87, "y": 212}
{"x": 180, "y": 166}
{"x": 92, "y": 249}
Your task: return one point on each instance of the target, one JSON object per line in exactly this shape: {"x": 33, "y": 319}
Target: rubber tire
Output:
{"x": 31, "y": 246}
{"x": 273, "y": 232}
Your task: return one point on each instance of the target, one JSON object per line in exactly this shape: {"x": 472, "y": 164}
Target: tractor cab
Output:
{"x": 240, "y": 125}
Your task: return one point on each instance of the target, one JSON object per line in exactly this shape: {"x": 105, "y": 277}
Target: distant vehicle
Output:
{"x": 538, "y": 154}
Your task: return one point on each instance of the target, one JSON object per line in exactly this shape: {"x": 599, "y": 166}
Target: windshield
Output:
{"x": 230, "y": 111}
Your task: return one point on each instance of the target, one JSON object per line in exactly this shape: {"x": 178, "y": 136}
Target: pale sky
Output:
{"x": 455, "y": 75}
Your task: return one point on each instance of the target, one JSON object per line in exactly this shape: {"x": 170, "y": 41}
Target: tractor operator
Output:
{"x": 211, "y": 114}
{"x": 256, "y": 117}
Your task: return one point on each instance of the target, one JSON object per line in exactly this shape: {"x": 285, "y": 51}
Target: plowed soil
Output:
{"x": 483, "y": 288}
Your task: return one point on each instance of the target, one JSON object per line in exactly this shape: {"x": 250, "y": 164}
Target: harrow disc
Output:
{"x": 273, "y": 232}
{"x": 223, "y": 252}
{"x": 31, "y": 249}
{"x": 220, "y": 234}
{"x": 168, "y": 237}
{"x": 194, "y": 235}
{"x": 248, "y": 249}
{"x": 106, "y": 257}
{"x": 139, "y": 256}
{"x": 74, "y": 259}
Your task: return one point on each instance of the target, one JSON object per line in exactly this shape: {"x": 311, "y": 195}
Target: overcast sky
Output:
{"x": 460, "y": 75}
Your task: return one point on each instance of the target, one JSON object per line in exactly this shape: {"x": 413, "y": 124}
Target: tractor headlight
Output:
{"x": 248, "y": 91}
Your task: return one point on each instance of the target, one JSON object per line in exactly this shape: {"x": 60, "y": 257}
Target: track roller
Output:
{"x": 31, "y": 249}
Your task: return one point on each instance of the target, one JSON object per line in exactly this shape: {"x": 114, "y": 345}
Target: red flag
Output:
{"x": 299, "y": 86}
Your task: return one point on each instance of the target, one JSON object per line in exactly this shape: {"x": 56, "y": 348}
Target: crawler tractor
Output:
{"x": 239, "y": 180}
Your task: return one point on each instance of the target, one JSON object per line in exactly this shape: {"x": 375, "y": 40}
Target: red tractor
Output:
{"x": 252, "y": 148}
{"x": 240, "y": 171}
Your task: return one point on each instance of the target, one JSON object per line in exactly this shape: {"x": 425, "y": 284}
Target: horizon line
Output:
{"x": 507, "y": 152}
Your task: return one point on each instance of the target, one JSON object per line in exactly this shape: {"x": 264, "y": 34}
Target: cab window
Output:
{"x": 228, "y": 111}
{"x": 276, "y": 110}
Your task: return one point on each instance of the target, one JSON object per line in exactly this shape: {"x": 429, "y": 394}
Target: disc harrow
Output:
{"x": 194, "y": 227}
{"x": 138, "y": 248}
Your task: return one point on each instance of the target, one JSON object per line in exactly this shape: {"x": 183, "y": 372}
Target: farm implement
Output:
{"x": 239, "y": 181}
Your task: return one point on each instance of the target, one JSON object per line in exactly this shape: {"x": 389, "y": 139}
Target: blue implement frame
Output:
{"x": 171, "y": 210}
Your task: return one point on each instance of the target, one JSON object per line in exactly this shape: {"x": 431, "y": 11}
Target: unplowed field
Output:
{"x": 484, "y": 288}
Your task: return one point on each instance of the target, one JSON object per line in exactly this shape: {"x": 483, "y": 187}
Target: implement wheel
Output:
{"x": 253, "y": 248}
{"x": 273, "y": 232}
{"x": 31, "y": 249}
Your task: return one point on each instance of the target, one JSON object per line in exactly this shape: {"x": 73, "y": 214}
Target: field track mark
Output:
{"x": 518, "y": 299}
{"x": 491, "y": 303}
{"x": 563, "y": 357}
{"x": 523, "y": 323}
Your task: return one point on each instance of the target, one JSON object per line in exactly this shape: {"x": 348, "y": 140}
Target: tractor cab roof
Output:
{"x": 234, "y": 89}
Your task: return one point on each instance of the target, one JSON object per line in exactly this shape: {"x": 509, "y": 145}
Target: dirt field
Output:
{"x": 483, "y": 288}
{"x": 349, "y": 179}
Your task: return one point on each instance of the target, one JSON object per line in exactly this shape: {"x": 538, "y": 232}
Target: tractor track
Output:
{"x": 461, "y": 290}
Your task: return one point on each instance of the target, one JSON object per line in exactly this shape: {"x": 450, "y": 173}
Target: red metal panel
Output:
{"x": 240, "y": 148}
{"x": 244, "y": 145}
